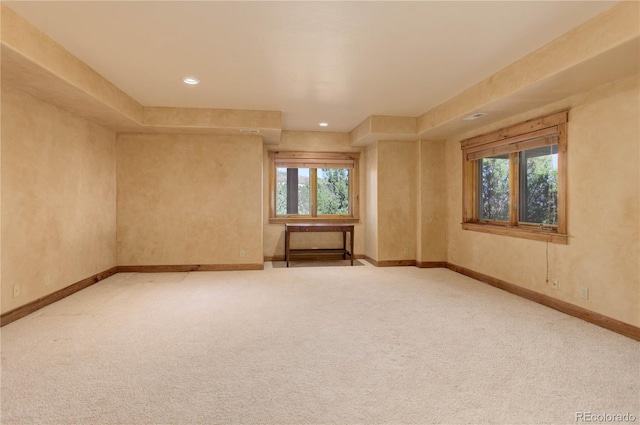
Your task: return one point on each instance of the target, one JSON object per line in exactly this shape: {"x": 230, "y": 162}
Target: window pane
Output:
{"x": 539, "y": 185}
{"x": 292, "y": 191}
{"x": 494, "y": 188}
{"x": 333, "y": 191}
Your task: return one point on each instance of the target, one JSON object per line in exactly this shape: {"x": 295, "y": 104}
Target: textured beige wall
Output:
{"x": 406, "y": 208}
{"x": 432, "y": 223}
{"x": 189, "y": 199}
{"x": 603, "y": 210}
{"x": 58, "y": 198}
{"x": 308, "y": 141}
{"x": 371, "y": 195}
{"x": 314, "y": 141}
{"x": 1, "y": 291}
{"x": 397, "y": 178}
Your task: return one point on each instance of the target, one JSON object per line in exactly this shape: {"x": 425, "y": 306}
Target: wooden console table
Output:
{"x": 318, "y": 227}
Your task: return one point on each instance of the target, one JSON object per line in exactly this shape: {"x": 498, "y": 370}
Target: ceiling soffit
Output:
{"x": 32, "y": 61}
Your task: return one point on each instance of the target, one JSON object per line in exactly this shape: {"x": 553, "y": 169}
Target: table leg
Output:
{"x": 344, "y": 245}
{"x": 351, "y": 247}
{"x": 286, "y": 246}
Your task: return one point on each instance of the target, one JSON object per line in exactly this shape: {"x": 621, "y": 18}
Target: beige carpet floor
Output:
{"x": 316, "y": 345}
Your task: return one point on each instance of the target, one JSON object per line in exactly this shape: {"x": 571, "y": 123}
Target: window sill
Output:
{"x": 285, "y": 220}
{"x": 532, "y": 234}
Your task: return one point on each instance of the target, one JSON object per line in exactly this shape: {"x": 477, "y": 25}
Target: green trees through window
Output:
{"x": 538, "y": 189}
{"x": 539, "y": 186}
{"x": 333, "y": 191}
{"x": 293, "y": 191}
{"x": 494, "y": 188}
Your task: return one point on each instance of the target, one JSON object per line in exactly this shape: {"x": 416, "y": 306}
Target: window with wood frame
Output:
{"x": 313, "y": 186}
{"x": 515, "y": 180}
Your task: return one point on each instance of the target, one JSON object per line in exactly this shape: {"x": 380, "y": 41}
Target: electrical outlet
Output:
{"x": 242, "y": 252}
{"x": 584, "y": 293}
{"x": 406, "y": 250}
{"x": 16, "y": 290}
{"x": 555, "y": 284}
{"x": 47, "y": 280}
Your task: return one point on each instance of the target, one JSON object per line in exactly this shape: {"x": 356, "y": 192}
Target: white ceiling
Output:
{"x": 315, "y": 61}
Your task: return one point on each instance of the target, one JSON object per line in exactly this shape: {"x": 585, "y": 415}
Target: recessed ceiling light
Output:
{"x": 474, "y": 116}
{"x": 191, "y": 81}
{"x": 323, "y": 124}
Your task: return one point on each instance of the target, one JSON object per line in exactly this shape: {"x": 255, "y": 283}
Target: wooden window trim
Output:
{"x": 313, "y": 160}
{"x": 512, "y": 140}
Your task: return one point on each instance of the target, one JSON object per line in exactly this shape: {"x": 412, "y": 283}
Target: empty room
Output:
{"x": 320, "y": 212}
